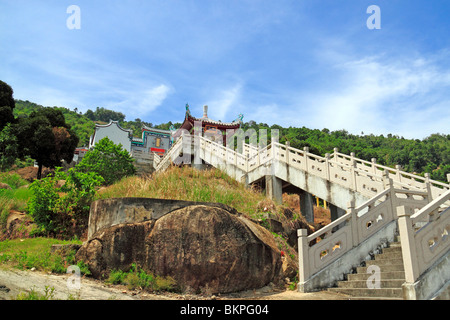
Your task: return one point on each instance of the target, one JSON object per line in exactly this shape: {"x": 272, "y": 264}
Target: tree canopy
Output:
{"x": 46, "y": 137}
{"x": 7, "y": 104}
{"x": 108, "y": 160}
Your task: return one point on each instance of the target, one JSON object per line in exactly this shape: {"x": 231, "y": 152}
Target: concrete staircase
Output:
{"x": 392, "y": 276}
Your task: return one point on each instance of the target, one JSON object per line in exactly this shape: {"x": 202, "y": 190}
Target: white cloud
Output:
{"x": 224, "y": 102}
{"x": 140, "y": 103}
{"x": 407, "y": 97}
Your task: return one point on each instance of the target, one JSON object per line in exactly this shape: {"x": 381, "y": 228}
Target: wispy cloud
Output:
{"x": 224, "y": 102}
{"x": 374, "y": 94}
{"x": 142, "y": 102}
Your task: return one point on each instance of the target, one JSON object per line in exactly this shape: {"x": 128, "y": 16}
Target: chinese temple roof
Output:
{"x": 189, "y": 121}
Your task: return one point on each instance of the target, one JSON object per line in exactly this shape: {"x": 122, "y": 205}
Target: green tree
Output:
{"x": 9, "y": 147}
{"x": 63, "y": 211}
{"x": 7, "y": 104}
{"x": 108, "y": 160}
{"x": 46, "y": 138}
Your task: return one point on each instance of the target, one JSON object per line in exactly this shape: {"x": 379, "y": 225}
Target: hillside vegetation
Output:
{"x": 429, "y": 155}
{"x": 187, "y": 183}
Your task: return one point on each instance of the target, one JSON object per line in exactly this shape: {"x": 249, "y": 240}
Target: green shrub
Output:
{"x": 109, "y": 161}
{"x": 63, "y": 211}
{"x": 49, "y": 294}
{"x": 139, "y": 278}
{"x": 116, "y": 277}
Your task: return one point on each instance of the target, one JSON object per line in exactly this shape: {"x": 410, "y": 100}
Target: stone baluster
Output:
{"x": 374, "y": 167}
{"x": 409, "y": 251}
{"x": 398, "y": 174}
{"x": 303, "y": 259}
{"x": 327, "y": 166}
{"x": 428, "y": 187}
{"x": 288, "y": 144}
{"x": 305, "y": 154}
{"x": 353, "y": 171}
{"x": 335, "y": 154}
{"x": 353, "y": 223}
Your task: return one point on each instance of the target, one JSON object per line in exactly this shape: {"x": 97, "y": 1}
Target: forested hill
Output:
{"x": 431, "y": 154}
{"x": 84, "y": 123}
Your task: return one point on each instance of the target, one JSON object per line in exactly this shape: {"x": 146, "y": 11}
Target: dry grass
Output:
{"x": 187, "y": 183}
{"x": 213, "y": 185}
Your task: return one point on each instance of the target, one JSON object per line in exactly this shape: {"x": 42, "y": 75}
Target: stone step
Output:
{"x": 383, "y": 275}
{"x": 377, "y": 293}
{"x": 384, "y": 262}
{"x": 392, "y": 249}
{"x": 391, "y": 255}
{"x": 384, "y": 268}
{"x": 362, "y": 284}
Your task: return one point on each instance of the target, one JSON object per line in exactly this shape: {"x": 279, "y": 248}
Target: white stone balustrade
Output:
{"x": 387, "y": 188}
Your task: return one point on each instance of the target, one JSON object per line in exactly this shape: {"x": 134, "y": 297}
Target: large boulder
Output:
{"x": 203, "y": 248}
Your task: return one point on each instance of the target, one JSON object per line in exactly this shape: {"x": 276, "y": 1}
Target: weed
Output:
{"x": 138, "y": 278}
{"x": 49, "y": 294}
{"x": 36, "y": 253}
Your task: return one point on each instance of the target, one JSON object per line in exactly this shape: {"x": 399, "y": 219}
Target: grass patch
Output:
{"x": 12, "y": 200}
{"x": 187, "y": 183}
{"x": 36, "y": 253}
{"x": 14, "y": 180}
{"x": 15, "y": 198}
{"x": 138, "y": 278}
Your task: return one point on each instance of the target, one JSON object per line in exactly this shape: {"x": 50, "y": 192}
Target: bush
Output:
{"x": 63, "y": 211}
{"x": 139, "y": 278}
{"x": 109, "y": 161}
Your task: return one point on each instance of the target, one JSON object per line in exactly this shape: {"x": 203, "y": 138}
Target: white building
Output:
{"x": 114, "y": 132}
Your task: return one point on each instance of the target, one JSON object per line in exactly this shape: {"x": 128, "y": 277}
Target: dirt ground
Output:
{"x": 13, "y": 282}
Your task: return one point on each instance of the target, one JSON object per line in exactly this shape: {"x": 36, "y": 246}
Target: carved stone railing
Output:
{"x": 401, "y": 178}
{"x": 168, "y": 158}
{"x": 358, "y": 175}
{"x": 387, "y": 189}
{"x": 156, "y": 160}
{"x": 323, "y": 247}
{"x": 424, "y": 236}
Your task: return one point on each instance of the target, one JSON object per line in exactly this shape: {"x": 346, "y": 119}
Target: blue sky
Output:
{"x": 312, "y": 63}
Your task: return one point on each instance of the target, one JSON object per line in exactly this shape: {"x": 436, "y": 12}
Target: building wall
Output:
{"x": 114, "y": 133}
{"x": 153, "y": 142}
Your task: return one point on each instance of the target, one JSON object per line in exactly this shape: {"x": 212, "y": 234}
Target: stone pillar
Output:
{"x": 303, "y": 260}
{"x": 336, "y": 212}
{"x": 274, "y": 188}
{"x": 409, "y": 254}
{"x": 307, "y": 205}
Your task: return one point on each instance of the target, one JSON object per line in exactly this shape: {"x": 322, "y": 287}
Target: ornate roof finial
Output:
{"x": 188, "y": 112}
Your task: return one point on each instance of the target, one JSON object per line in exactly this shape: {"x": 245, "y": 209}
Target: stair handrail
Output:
{"x": 170, "y": 152}
{"x": 349, "y": 175}
{"x": 319, "y": 249}
{"x": 423, "y": 244}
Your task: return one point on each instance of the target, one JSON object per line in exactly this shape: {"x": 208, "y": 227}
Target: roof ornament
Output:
{"x": 188, "y": 112}
{"x": 239, "y": 118}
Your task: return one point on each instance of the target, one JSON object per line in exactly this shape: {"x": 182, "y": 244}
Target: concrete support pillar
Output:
{"x": 336, "y": 212}
{"x": 307, "y": 205}
{"x": 274, "y": 188}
